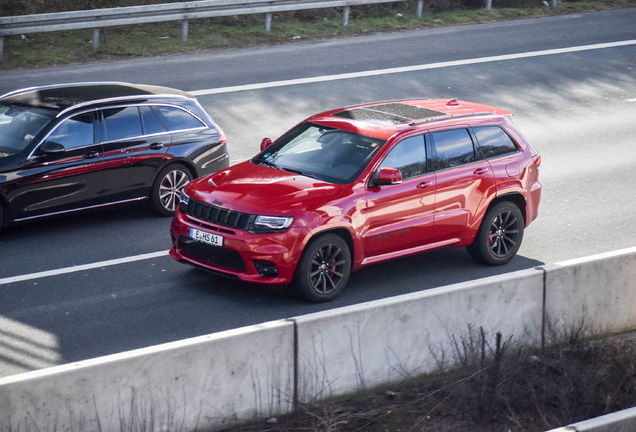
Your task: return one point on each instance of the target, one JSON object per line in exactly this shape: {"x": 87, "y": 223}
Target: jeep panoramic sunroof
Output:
{"x": 392, "y": 113}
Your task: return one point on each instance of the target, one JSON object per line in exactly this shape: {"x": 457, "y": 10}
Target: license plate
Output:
{"x": 206, "y": 237}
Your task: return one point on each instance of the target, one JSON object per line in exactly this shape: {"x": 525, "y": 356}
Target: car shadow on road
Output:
{"x": 110, "y": 217}
{"x": 401, "y": 276}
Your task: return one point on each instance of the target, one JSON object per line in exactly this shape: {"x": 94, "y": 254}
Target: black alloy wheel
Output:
{"x": 167, "y": 188}
{"x": 323, "y": 269}
{"x": 499, "y": 236}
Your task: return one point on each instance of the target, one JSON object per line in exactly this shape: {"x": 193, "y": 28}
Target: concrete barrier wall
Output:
{"x": 357, "y": 347}
{"x": 206, "y": 382}
{"x": 621, "y": 421}
{"x": 259, "y": 371}
{"x": 601, "y": 290}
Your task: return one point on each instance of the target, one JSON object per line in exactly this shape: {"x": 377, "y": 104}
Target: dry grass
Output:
{"x": 498, "y": 387}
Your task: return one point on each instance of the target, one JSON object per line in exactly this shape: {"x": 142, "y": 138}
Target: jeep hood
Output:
{"x": 258, "y": 189}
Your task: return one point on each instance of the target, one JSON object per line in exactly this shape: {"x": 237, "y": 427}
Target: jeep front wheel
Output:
{"x": 323, "y": 269}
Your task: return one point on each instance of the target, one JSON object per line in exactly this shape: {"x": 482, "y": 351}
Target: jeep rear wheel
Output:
{"x": 499, "y": 236}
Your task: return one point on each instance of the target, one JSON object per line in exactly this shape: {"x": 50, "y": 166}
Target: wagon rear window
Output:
{"x": 177, "y": 119}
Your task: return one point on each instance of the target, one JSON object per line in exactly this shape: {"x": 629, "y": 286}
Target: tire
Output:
{"x": 164, "y": 195}
{"x": 323, "y": 269}
{"x": 499, "y": 236}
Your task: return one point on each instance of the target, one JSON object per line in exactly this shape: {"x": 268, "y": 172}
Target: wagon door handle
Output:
{"x": 90, "y": 155}
{"x": 480, "y": 171}
{"x": 155, "y": 146}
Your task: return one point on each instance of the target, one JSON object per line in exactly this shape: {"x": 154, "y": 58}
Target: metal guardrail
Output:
{"x": 184, "y": 12}
{"x": 98, "y": 18}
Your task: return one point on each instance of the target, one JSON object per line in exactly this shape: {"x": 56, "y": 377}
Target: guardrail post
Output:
{"x": 488, "y": 4}
{"x": 420, "y": 7}
{"x": 1, "y": 46}
{"x": 95, "y": 39}
{"x": 345, "y": 16}
{"x": 184, "y": 31}
{"x": 268, "y": 22}
{"x": 553, "y": 3}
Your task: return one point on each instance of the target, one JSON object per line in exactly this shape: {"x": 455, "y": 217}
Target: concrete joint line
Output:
{"x": 295, "y": 384}
{"x": 543, "y": 306}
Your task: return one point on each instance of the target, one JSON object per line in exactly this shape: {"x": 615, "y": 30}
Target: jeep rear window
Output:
{"x": 494, "y": 141}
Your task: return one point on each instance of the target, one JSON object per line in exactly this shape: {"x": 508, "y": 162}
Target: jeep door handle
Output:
{"x": 90, "y": 155}
{"x": 480, "y": 171}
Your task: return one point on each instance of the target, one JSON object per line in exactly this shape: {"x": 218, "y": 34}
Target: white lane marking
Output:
{"x": 421, "y": 67}
{"x": 78, "y": 268}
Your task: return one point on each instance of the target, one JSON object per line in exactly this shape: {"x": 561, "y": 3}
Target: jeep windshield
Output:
{"x": 19, "y": 125}
{"x": 328, "y": 154}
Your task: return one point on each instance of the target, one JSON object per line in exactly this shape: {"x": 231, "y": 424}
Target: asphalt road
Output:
{"x": 573, "y": 98}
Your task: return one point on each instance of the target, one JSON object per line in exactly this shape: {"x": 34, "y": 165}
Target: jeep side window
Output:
{"x": 494, "y": 141}
{"x": 452, "y": 148}
{"x": 408, "y": 156}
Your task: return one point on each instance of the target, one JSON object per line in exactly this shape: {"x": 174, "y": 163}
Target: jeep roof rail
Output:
{"x": 363, "y": 105}
{"x": 449, "y": 117}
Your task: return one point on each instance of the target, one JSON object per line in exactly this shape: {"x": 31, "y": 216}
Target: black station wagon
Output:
{"x": 77, "y": 146}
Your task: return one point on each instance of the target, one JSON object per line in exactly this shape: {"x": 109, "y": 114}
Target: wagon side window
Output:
{"x": 75, "y": 132}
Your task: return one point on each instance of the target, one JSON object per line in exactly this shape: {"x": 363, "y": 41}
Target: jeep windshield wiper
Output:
{"x": 282, "y": 168}
{"x": 269, "y": 164}
{"x": 303, "y": 173}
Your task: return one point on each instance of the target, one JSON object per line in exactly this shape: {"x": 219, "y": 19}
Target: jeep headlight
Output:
{"x": 184, "y": 199}
{"x": 269, "y": 224}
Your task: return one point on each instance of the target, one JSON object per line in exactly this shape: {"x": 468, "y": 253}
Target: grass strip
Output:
{"x": 67, "y": 47}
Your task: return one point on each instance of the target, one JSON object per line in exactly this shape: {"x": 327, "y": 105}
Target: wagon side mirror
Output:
{"x": 52, "y": 147}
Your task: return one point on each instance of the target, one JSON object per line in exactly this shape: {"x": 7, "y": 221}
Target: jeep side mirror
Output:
{"x": 265, "y": 143}
{"x": 388, "y": 176}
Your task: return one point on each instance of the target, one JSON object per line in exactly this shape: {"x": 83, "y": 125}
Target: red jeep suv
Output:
{"x": 354, "y": 186}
